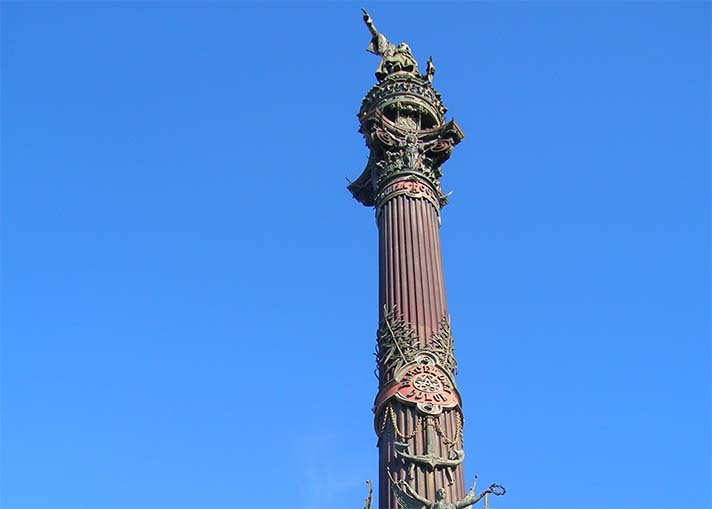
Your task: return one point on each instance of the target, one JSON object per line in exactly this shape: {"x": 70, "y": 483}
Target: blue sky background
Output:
{"x": 190, "y": 293}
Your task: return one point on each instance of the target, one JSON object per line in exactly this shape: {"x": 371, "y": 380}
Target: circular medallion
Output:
{"x": 425, "y": 384}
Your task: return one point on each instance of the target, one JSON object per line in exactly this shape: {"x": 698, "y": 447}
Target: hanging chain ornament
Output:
{"x": 458, "y": 430}
{"x": 390, "y": 415}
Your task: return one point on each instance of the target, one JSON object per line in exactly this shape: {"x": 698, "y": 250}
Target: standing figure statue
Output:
{"x": 408, "y": 498}
{"x": 412, "y": 151}
{"x": 394, "y": 59}
{"x": 430, "y": 70}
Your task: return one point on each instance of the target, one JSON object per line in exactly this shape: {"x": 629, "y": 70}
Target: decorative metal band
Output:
{"x": 411, "y": 186}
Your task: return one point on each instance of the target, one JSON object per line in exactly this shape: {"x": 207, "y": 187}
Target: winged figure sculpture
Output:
{"x": 408, "y": 498}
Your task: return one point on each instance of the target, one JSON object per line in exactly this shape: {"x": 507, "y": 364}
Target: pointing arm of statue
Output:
{"x": 369, "y": 23}
{"x": 379, "y": 44}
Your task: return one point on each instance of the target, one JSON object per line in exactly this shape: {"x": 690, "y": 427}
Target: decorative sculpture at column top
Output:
{"x": 394, "y": 59}
{"x": 403, "y": 121}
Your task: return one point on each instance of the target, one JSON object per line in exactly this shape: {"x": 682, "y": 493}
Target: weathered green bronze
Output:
{"x": 408, "y": 498}
{"x": 398, "y": 344}
{"x": 393, "y": 58}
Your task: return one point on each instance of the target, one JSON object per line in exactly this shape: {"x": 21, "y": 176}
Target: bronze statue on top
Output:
{"x": 403, "y": 120}
{"x": 394, "y": 59}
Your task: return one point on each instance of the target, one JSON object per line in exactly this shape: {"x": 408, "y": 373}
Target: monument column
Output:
{"x": 418, "y": 411}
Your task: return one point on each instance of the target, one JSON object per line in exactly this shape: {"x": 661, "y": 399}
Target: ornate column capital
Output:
{"x": 402, "y": 119}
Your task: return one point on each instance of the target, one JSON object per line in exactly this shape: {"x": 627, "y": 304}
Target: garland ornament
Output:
{"x": 458, "y": 430}
{"x": 430, "y": 460}
{"x": 389, "y": 415}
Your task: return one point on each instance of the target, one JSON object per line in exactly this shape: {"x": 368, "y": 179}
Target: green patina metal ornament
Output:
{"x": 397, "y": 344}
{"x": 408, "y": 498}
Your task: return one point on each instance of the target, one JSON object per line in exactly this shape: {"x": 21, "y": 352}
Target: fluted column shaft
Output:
{"x": 418, "y": 415}
{"x": 411, "y": 284}
{"x": 410, "y": 265}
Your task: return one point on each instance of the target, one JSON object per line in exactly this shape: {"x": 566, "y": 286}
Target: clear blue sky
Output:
{"x": 189, "y": 291}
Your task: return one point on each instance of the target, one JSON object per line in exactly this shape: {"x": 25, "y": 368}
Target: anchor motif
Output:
{"x": 430, "y": 459}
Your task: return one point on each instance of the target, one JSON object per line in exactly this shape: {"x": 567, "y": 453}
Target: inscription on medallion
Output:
{"x": 425, "y": 384}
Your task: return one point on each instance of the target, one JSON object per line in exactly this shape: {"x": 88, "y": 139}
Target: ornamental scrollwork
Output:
{"x": 396, "y": 152}
{"x": 442, "y": 345}
{"x": 398, "y": 344}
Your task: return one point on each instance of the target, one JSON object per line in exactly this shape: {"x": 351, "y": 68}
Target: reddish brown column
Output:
{"x": 410, "y": 265}
{"x": 418, "y": 416}
{"x": 411, "y": 285}
{"x": 418, "y": 411}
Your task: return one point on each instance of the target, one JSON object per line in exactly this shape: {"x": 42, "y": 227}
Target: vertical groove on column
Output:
{"x": 424, "y": 301}
{"x": 439, "y": 264}
{"x": 437, "y": 267}
{"x": 382, "y": 261}
{"x": 407, "y": 274}
{"x": 412, "y": 274}
{"x": 398, "y": 250}
{"x": 402, "y": 229}
{"x": 417, "y": 284}
{"x": 392, "y": 256}
{"x": 428, "y": 214}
